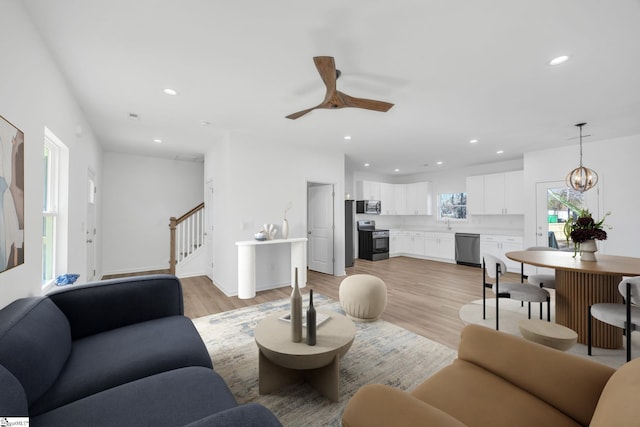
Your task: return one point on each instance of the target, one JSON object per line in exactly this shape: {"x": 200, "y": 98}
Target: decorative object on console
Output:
{"x": 582, "y": 178}
{"x": 267, "y": 233}
{"x": 285, "y": 223}
{"x": 584, "y": 231}
{"x": 296, "y": 311}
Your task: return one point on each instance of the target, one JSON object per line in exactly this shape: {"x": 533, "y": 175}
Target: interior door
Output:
{"x": 91, "y": 226}
{"x": 320, "y": 223}
{"x": 555, "y": 203}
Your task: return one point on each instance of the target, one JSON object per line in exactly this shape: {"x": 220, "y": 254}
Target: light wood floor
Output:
{"x": 423, "y": 296}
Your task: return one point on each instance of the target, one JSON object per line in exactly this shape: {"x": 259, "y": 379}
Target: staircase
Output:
{"x": 187, "y": 236}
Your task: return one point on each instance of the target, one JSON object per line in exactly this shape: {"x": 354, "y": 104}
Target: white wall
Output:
{"x": 140, "y": 194}
{"x": 34, "y": 95}
{"x": 616, "y": 162}
{"x": 254, "y": 181}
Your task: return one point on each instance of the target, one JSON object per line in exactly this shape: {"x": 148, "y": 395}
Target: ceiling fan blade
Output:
{"x": 368, "y": 104}
{"x": 327, "y": 68}
{"x": 300, "y": 113}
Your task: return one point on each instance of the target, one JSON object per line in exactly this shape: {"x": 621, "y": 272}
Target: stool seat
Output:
{"x": 363, "y": 297}
{"x": 547, "y": 333}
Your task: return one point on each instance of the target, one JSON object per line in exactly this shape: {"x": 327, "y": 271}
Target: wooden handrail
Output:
{"x": 188, "y": 214}
{"x": 173, "y": 224}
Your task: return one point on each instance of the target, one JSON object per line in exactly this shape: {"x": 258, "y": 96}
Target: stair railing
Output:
{"x": 187, "y": 235}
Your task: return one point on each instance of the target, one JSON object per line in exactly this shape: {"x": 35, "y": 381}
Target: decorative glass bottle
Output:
{"x": 296, "y": 312}
{"x": 311, "y": 321}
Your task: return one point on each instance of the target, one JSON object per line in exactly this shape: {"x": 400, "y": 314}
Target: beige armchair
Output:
{"x": 501, "y": 380}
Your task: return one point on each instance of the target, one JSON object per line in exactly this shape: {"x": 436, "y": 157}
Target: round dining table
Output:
{"x": 580, "y": 284}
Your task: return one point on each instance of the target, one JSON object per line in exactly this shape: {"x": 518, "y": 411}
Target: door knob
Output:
{"x": 308, "y": 232}
{"x": 539, "y": 234}
{"x": 89, "y": 241}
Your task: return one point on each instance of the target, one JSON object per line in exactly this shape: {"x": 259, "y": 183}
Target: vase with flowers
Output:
{"x": 583, "y": 232}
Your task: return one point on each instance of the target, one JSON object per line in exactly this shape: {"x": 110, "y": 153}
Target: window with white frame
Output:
{"x": 452, "y": 206}
{"x": 54, "y": 207}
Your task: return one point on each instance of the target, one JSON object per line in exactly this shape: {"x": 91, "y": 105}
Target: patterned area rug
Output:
{"x": 381, "y": 353}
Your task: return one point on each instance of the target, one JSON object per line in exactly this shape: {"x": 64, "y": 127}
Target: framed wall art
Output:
{"x": 11, "y": 195}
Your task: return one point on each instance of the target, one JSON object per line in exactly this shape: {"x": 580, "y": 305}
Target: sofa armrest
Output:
{"x": 249, "y": 415}
{"x": 380, "y": 405}
{"x": 108, "y": 304}
{"x": 577, "y": 382}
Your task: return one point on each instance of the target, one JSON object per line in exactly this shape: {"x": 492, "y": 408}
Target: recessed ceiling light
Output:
{"x": 157, "y": 141}
{"x": 347, "y": 137}
{"x": 134, "y": 116}
{"x": 205, "y": 122}
{"x": 396, "y": 170}
{"x": 559, "y": 60}
{"x": 366, "y": 165}
{"x": 169, "y": 91}
{"x": 439, "y": 163}
{"x": 500, "y": 152}
{"x": 473, "y": 141}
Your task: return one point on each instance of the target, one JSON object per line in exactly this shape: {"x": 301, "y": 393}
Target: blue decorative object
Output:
{"x": 66, "y": 279}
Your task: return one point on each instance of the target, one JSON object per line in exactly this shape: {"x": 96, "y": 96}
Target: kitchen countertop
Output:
{"x": 453, "y": 230}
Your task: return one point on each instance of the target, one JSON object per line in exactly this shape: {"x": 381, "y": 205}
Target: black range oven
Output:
{"x": 373, "y": 243}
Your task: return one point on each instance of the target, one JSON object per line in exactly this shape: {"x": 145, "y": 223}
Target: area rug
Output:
{"x": 381, "y": 353}
{"x": 511, "y": 312}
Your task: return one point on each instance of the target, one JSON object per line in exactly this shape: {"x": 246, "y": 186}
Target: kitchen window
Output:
{"x": 452, "y": 206}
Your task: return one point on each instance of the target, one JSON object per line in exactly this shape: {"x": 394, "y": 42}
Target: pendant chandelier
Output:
{"x": 582, "y": 178}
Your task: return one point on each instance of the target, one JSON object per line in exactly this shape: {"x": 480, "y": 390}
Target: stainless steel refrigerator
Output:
{"x": 349, "y": 227}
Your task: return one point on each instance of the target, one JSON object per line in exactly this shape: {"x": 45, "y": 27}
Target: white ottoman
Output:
{"x": 363, "y": 297}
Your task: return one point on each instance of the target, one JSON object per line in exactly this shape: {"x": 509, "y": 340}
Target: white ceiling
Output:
{"x": 455, "y": 69}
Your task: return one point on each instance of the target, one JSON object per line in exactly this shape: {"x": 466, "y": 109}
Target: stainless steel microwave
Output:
{"x": 372, "y": 207}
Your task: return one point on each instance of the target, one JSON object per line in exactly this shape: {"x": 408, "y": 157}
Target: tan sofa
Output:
{"x": 503, "y": 380}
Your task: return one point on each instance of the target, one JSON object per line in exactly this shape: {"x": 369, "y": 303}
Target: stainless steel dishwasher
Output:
{"x": 468, "y": 249}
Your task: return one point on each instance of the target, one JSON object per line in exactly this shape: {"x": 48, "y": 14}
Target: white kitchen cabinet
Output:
{"x": 498, "y": 246}
{"x": 419, "y": 198}
{"x": 440, "y": 245}
{"x": 496, "y": 194}
{"x": 475, "y": 195}
{"x": 395, "y": 242}
{"x": 400, "y": 198}
{"x": 417, "y": 243}
{"x": 388, "y": 199}
{"x": 368, "y": 190}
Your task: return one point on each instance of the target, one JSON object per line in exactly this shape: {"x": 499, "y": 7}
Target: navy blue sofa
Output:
{"x": 111, "y": 353}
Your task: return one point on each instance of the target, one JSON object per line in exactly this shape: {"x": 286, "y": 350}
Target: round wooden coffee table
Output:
{"x": 282, "y": 362}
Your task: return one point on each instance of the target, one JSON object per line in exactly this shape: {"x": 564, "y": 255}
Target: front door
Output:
{"x": 320, "y": 227}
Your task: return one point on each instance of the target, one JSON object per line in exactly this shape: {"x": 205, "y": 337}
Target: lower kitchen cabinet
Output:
{"x": 440, "y": 246}
{"x": 498, "y": 246}
{"x": 422, "y": 244}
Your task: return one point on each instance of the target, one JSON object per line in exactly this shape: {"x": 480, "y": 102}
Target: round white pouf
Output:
{"x": 363, "y": 297}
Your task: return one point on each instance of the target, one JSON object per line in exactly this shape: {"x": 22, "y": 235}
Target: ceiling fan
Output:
{"x": 334, "y": 98}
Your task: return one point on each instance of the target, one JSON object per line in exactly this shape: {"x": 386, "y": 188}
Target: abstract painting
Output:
{"x": 11, "y": 195}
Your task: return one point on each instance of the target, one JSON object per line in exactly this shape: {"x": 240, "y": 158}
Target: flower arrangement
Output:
{"x": 584, "y": 228}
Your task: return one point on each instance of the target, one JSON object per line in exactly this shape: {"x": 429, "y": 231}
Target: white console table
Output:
{"x": 247, "y": 263}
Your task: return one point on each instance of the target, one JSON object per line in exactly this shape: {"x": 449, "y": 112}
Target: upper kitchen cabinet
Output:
{"x": 418, "y": 198}
{"x": 368, "y": 190}
{"x": 496, "y": 194}
{"x": 388, "y": 199}
{"x": 397, "y": 199}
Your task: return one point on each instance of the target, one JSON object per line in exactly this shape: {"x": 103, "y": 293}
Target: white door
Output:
{"x": 91, "y": 227}
{"x": 208, "y": 230}
{"x": 555, "y": 203}
{"x": 320, "y": 227}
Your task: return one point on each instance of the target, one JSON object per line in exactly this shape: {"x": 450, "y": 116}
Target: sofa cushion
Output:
{"x": 35, "y": 342}
{"x": 172, "y": 398}
{"x": 618, "y": 404}
{"x": 249, "y": 415}
{"x": 111, "y": 358}
{"x": 13, "y": 401}
{"x": 474, "y": 396}
{"x": 578, "y": 381}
